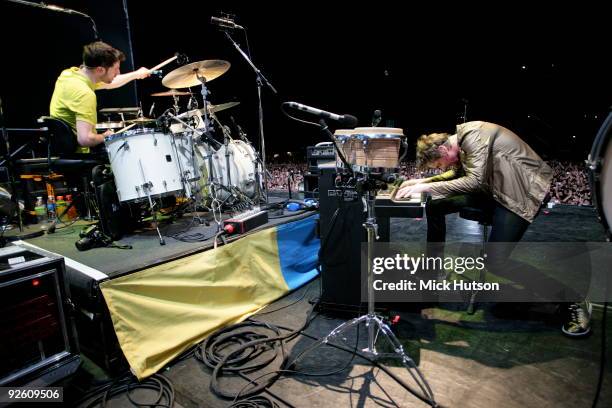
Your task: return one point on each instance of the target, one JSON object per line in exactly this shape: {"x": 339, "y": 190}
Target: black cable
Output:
{"x": 286, "y": 306}
{"x": 126, "y": 384}
{"x": 252, "y": 345}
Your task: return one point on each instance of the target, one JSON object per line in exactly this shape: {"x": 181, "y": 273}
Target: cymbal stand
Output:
{"x": 261, "y": 79}
{"x": 175, "y": 105}
{"x": 205, "y": 92}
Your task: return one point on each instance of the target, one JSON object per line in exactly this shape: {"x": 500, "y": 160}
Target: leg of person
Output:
{"x": 437, "y": 210}
{"x": 509, "y": 228}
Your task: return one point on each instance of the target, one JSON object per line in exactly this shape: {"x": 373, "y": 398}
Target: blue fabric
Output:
{"x": 298, "y": 248}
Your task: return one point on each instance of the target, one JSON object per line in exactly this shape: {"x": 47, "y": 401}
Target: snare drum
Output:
{"x": 375, "y": 149}
{"x": 144, "y": 163}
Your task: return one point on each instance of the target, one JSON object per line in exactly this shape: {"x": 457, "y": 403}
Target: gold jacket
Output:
{"x": 520, "y": 178}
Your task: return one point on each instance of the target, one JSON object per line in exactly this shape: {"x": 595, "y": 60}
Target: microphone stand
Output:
{"x": 260, "y": 81}
{"x": 53, "y": 7}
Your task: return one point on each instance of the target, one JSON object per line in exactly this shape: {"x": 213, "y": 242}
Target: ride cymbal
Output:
{"x": 187, "y": 75}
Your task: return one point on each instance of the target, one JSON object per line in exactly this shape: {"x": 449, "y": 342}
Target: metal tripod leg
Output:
{"x": 374, "y": 323}
{"x": 146, "y": 187}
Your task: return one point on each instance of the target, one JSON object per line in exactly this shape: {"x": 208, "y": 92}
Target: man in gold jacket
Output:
{"x": 492, "y": 169}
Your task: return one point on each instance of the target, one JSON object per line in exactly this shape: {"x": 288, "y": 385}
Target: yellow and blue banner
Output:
{"x": 162, "y": 311}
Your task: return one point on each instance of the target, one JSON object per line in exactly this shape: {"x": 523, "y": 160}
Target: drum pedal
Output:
{"x": 245, "y": 222}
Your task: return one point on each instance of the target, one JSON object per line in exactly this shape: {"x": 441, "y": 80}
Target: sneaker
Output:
{"x": 578, "y": 319}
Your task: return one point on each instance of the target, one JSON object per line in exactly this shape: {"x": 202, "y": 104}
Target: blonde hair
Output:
{"x": 427, "y": 148}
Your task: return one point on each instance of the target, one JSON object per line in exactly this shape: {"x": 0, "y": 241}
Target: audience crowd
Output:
{"x": 570, "y": 182}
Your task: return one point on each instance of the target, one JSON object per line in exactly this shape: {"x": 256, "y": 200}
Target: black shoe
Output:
{"x": 578, "y": 319}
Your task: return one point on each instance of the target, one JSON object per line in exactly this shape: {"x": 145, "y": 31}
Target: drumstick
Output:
{"x": 125, "y": 128}
{"x": 166, "y": 62}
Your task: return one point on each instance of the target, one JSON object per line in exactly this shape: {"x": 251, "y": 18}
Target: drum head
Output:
{"x": 600, "y": 160}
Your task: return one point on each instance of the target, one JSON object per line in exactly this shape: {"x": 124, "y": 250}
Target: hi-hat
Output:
{"x": 140, "y": 120}
{"x": 187, "y": 75}
{"x": 222, "y": 106}
{"x": 172, "y": 92}
{"x": 119, "y": 110}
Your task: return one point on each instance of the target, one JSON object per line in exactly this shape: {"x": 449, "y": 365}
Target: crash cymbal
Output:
{"x": 140, "y": 120}
{"x": 172, "y": 92}
{"x": 222, "y": 106}
{"x": 187, "y": 75}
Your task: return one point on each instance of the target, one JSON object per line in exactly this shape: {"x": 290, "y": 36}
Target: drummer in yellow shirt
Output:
{"x": 74, "y": 99}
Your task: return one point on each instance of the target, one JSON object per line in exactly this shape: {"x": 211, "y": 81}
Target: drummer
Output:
{"x": 74, "y": 100}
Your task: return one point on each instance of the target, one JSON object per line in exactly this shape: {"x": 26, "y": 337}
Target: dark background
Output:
{"x": 543, "y": 73}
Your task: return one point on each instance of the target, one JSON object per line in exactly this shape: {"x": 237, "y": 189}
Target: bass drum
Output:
{"x": 242, "y": 168}
{"x": 600, "y": 175}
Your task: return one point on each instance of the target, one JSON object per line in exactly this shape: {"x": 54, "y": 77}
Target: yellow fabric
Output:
{"x": 162, "y": 311}
{"x": 74, "y": 99}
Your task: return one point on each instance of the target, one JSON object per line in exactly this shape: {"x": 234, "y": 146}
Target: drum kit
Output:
{"x": 177, "y": 154}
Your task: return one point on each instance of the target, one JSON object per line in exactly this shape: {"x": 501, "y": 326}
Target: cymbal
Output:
{"x": 222, "y": 106}
{"x": 172, "y": 92}
{"x": 187, "y": 75}
{"x": 140, "y": 120}
{"x": 119, "y": 110}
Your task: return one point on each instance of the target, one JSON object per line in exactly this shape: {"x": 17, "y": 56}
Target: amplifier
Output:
{"x": 38, "y": 343}
{"x": 321, "y": 155}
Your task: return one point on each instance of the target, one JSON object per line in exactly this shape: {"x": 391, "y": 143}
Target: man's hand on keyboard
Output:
{"x": 411, "y": 182}
{"x": 412, "y": 189}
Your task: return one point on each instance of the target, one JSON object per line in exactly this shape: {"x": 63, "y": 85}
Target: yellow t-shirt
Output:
{"x": 74, "y": 99}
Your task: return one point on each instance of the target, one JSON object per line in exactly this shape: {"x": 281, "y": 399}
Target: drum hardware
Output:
{"x": 147, "y": 186}
{"x": 172, "y": 92}
{"x": 260, "y": 80}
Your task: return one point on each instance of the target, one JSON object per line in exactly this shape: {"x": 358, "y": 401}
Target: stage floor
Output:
{"x": 184, "y": 236}
{"x": 482, "y": 360}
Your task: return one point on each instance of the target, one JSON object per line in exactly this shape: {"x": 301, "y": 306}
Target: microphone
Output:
{"x": 349, "y": 121}
{"x": 63, "y": 9}
{"x": 376, "y": 117}
{"x": 225, "y": 23}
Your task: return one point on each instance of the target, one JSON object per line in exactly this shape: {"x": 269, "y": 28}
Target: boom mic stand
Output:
{"x": 260, "y": 80}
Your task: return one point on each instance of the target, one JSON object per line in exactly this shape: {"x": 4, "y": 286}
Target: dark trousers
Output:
{"x": 506, "y": 227}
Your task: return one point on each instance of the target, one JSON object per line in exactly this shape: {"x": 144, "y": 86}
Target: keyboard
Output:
{"x": 407, "y": 207}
